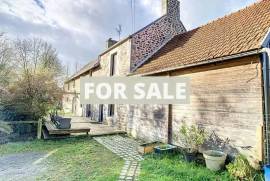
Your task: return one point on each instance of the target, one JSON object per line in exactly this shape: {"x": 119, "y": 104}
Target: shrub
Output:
{"x": 241, "y": 169}
{"x": 192, "y": 137}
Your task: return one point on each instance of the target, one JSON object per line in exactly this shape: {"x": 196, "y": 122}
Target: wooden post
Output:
{"x": 39, "y": 129}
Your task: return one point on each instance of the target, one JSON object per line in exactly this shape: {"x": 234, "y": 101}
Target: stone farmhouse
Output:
{"x": 228, "y": 63}
{"x": 123, "y": 57}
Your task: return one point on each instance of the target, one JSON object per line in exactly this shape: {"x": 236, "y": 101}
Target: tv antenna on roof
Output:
{"x": 133, "y": 14}
{"x": 119, "y": 30}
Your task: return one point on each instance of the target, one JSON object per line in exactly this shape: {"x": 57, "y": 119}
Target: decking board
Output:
{"x": 53, "y": 130}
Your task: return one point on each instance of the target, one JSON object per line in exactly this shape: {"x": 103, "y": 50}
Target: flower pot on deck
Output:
{"x": 215, "y": 160}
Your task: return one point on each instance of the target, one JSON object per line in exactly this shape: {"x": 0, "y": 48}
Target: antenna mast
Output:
{"x": 119, "y": 31}
{"x": 133, "y": 15}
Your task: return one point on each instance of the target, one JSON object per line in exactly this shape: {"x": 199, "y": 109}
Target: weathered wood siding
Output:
{"x": 225, "y": 98}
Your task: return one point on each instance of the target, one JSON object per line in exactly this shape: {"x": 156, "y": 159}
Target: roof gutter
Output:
{"x": 239, "y": 55}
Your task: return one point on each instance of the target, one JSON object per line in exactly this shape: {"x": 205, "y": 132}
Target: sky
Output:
{"x": 78, "y": 29}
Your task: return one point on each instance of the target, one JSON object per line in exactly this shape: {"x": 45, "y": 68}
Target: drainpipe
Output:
{"x": 170, "y": 136}
{"x": 265, "y": 63}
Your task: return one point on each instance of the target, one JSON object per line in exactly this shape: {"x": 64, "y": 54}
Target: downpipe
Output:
{"x": 265, "y": 52}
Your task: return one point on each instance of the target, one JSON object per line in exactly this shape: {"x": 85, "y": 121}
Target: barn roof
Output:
{"x": 86, "y": 68}
{"x": 236, "y": 33}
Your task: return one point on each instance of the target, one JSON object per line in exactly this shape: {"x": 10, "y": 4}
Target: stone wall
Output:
{"x": 151, "y": 38}
{"x": 122, "y": 66}
{"x": 148, "y": 122}
{"x": 71, "y": 97}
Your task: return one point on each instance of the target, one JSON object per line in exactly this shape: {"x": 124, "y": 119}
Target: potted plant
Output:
{"x": 192, "y": 138}
{"x": 215, "y": 156}
{"x": 164, "y": 149}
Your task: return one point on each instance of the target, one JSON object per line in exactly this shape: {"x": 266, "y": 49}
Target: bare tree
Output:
{"x": 35, "y": 88}
{"x": 5, "y": 60}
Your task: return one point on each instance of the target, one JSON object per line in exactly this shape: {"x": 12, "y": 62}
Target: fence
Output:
{"x": 22, "y": 130}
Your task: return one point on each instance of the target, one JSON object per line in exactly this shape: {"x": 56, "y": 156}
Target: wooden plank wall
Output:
{"x": 225, "y": 98}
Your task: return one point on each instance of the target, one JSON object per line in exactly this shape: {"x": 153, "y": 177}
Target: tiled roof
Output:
{"x": 83, "y": 70}
{"x": 238, "y": 32}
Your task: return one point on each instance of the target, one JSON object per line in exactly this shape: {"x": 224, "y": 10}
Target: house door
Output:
{"x": 88, "y": 111}
{"x": 74, "y": 105}
{"x": 100, "y": 117}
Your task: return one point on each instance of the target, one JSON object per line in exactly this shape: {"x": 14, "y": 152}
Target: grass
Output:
{"x": 174, "y": 168}
{"x": 79, "y": 158}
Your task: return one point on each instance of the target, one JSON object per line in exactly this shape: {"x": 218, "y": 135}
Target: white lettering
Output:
{"x": 181, "y": 91}
{"x": 119, "y": 91}
{"x": 89, "y": 89}
{"x": 139, "y": 92}
{"x": 107, "y": 88}
{"x": 153, "y": 91}
{"x": 166, "y": 92}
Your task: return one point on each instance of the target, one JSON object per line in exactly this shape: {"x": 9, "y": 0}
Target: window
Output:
{"x": 111, "y": 110}
{"x": 68, "y": 86}
{"x": 112, "y": 65}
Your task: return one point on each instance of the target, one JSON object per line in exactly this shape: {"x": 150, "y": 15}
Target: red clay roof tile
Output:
{"x": 238, "y": 32}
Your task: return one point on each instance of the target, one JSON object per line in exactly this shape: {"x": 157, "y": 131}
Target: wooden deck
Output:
{"x": 55, "y": 131}
{"x": 81, "y": 125}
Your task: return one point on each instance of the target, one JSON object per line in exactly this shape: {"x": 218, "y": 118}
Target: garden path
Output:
{"x": 125, "y": 148}
{"x": 23, "y": 166}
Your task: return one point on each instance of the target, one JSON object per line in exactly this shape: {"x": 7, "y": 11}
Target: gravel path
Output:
{"x": 18, "y": 167}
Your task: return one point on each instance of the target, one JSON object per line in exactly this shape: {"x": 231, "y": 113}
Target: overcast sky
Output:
{"x": 78, "y": 29}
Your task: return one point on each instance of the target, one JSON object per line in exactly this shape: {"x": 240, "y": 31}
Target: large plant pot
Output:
{"x": 165, "y": 149}
{"x": 215, "y": 160}
{"x": 190, "y": 157}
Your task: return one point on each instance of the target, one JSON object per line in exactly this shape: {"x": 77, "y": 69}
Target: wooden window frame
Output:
{"x": 111, "y": 110}
{"x": 112, "y": 64}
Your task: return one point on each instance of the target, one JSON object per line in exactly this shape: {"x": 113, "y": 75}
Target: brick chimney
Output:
{"x": 110, "y": 42}
{"x": 171, "y": 7}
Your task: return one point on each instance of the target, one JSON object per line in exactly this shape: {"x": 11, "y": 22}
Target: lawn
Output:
{"x": 80, "y": 158}
{"x": 174, "y": 168}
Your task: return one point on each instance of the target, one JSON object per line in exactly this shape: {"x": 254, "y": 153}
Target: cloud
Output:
{"x": 195, "y": 13}
{"x": 78, "y": 29}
